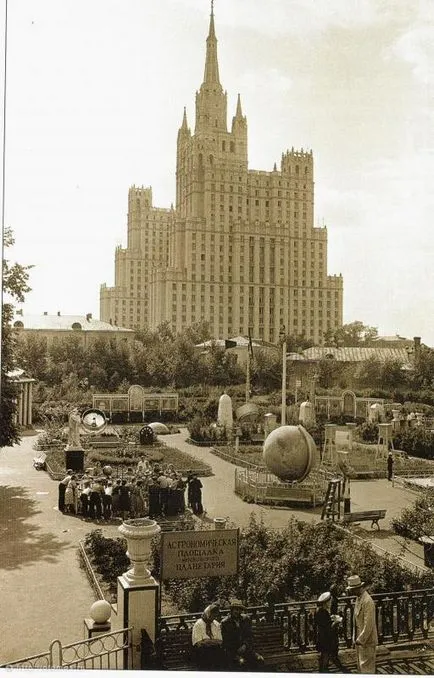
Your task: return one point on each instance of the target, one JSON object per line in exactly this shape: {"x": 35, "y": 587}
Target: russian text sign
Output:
{"x": 205, "y": 553}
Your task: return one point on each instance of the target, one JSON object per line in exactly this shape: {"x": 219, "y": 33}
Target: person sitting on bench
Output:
{"x": 207, "y": 640}
{"x": 238, "y": 638}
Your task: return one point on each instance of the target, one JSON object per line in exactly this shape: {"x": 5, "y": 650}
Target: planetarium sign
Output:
{"x": 205, "y": 553}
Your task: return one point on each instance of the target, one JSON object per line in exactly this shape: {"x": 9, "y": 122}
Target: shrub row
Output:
{"x": 295, "y": 563}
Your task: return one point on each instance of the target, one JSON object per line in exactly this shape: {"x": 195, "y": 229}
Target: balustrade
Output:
{"x": 401, "y": 616}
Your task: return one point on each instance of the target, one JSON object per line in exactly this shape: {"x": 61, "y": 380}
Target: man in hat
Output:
{"x": 365, "y": 627}
{"x": 237, "y": 637}
{"x": 326, "y": 638}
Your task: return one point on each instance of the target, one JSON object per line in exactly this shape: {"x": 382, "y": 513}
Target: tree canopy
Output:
{"x": 15, "y": 279}
{"x": 355, "y": 333}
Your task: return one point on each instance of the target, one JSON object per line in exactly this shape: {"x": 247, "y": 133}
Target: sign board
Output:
{"x": 298, "y": 383}
{"x": 205, "y": 553}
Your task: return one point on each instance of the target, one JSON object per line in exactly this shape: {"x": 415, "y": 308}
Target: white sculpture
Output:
{"x": 224, "y": 414}
{"x": 74, "y": 422}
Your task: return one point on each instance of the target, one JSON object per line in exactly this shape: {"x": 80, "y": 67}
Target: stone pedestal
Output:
{"x": 74, "y": 458}
{"x": 384, "y": 439}
{"x": 270, "y": 422}
{"x": 351, "y": 426}
{"x": 329, "y": 448}
{"x": 137, "y": 589}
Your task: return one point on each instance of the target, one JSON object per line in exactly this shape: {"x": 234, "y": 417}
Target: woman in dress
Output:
{"x": 71, "y": 496}
{"x": 137, "y": 503}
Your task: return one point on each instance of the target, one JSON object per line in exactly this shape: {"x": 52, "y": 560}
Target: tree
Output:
{"x": 15, "y": 285}
{"x": 423, "y": 375}
{"x": 351, "y": 334}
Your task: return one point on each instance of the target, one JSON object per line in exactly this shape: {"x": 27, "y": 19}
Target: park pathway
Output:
{"x": 44, "y": 592}
{"x": 219, "y": 500}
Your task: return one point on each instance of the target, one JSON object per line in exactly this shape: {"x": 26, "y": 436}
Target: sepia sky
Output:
{"x": 95, "y": 95}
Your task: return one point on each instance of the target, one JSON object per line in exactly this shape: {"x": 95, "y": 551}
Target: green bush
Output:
{"x": 295, "y": 563}
{"x": 418, "y": 520}
{"x": 417, "y": 442}
{"x": 368, "y": 432}
{"x": 107, "y": 556}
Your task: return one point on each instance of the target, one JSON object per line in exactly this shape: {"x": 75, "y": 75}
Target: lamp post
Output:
{"x": 282, "y": 337}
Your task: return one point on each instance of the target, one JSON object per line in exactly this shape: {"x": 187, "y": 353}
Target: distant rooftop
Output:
{"x": 65, "y": 323}
{"x": 241, "y": 342}
{"x": 357, "y": 353}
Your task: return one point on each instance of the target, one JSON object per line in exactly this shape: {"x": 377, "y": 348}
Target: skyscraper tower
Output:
{"x": 239, "y": 249}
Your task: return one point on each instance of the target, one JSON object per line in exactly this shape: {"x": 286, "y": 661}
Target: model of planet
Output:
{"x": 290, "y": 453}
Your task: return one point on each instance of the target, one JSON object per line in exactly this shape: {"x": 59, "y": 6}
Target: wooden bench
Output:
{"x": 359, "y": 516}
{"x": 174, "y": 649}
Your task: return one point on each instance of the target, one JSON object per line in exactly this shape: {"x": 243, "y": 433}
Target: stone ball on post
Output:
{"x": 290, "y": 453}
{"x": 100, "y": 612}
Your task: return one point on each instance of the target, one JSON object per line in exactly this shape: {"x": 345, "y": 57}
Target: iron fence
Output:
{"x": 103, "y": 652}
{"x": 401, "y": 616}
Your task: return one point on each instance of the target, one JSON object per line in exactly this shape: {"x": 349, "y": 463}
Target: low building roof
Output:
{"x": 356, "y": 354}
{"x": 65, "y": 323}
{"x": 241, "y": 342}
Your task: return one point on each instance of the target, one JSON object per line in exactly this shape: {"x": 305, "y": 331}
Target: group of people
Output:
{"x": 327, "y": 622}
{"x": 152, "y": 490}
{"x": 228, "y": 643}
{"x": 225, "y": 643}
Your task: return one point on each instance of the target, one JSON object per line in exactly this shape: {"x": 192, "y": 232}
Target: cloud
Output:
{"x": 416, "y": 47}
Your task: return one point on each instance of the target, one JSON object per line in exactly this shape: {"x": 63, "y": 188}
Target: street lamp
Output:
{"x": 282, "y": 338}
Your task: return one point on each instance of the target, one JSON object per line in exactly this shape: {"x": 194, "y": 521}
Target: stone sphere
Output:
{"x": 100, "y": 611}
{"x": 290, "y": 453}
{"x": 107, "y": 470}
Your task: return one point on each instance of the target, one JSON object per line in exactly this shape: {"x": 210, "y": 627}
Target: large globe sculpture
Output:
{"x": 290, "y": 453}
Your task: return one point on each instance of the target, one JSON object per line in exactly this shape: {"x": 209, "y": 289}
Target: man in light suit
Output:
{"x": 365, "y": 627}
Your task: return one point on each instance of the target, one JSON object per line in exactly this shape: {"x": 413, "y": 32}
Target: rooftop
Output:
{"x": 355, "y": 354}
{"x": 64, "y": 323}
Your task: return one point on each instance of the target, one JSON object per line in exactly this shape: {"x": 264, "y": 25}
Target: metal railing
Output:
{"x": 401, "y": 616}
{"x": 104, "y": 652}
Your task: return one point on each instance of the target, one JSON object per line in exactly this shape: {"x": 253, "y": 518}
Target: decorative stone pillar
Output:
{"x": 329, "y": 448}
{"x": 419, "y": 418}
{"x": 138, "y": 591}
{"x": 351, "y": 426}
{"x": 270, "y": 424}
{"x": 384, "y": 438}
{"x": 396, "y": 420}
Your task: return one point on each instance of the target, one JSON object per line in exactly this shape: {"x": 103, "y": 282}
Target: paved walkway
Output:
{"x": 44, "y": 592}
{"x": 219, "y": 500}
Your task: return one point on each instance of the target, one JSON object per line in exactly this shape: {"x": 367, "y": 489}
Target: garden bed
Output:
{"x": 181, "y": 461}
{"x": 250, "y": 456}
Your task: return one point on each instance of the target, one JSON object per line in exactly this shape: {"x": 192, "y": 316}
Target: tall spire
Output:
{"x": 239, "y": 111}
{"x": 211, "y": 75}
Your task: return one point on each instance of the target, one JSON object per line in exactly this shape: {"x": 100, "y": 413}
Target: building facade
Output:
{"x": 239, "y": 249}
{"x": 52, "y": 328}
